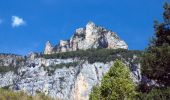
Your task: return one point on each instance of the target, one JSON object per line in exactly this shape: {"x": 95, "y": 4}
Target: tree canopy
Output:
{"x": 156, "y": 60}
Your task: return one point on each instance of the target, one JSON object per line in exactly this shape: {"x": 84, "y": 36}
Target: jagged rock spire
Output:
{"x": 90, "y": 25}
{"x": 91, "y": 36}
{"x": 48, "y": 48}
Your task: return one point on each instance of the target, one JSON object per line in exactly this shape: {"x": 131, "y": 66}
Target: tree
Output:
{"x": 115, "y": 85}
{"x": 95, "y": 94}
{"x": 155, "y": 94}
{"x": 156, "y": 60}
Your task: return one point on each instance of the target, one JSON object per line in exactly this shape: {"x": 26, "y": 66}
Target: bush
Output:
{"x": 9, "y": 95}
{"x": 5, "y": 69}
{"x": 6, "y": 87}
{"x": 155, "y": 94}
{"x": 51, "y": 69}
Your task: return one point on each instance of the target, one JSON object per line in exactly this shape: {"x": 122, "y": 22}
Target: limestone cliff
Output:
{"x": 69, "y": 82}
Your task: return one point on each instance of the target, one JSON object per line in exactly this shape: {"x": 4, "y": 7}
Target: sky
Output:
{"x": 26, "y": 25}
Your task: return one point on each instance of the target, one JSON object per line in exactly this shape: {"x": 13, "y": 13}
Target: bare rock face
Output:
{"x": 73, "y": 83}
{"x": 91, "y": 36}
{"x": 32, "y": 55}
{"x": 48, "y": 48}
{"x": 63, "y": 46}
{"x": 11, "y": 60}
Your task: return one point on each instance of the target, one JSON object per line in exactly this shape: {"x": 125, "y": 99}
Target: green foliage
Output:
{"x": 156, "y": 59}
{"x": 115, "y": 85}
{"x": 6, "y": 87}
{"x": 155, "y": 94}
{"x": 95, "y": 93}
{"x": 96, "y": 55}
{"x": 51, "y": 69}
{"x": 9, "y": 95}
{"x": 5, "y": 69}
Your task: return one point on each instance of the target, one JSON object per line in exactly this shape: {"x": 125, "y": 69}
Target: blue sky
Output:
{"x": 25, "y": 25}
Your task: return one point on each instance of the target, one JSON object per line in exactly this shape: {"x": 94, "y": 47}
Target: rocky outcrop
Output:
{"x": 63, "y": 46}
{"x": 48, "y": 48}
{"x": 32, "y": 55}
{"x": 91, "y": 36}
{"x": 7, "y": 79}
{"x": 11, "y": 60}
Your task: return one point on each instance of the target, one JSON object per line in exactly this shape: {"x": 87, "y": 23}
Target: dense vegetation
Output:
{"x": 4, "y": 69}
{"x": 155, "y": 94}
{"x": 96, "y": 55}
{"x": 9, "y": 95}
{"x": 115, "y": 85}
{"x": 156, "y": 60}
{"x": 51, "y": 69}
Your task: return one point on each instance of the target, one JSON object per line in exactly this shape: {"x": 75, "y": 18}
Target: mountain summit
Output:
{"x": 92, "y": 36}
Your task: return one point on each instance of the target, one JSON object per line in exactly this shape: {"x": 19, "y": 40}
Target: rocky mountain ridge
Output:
{"x": 92, "y": 36}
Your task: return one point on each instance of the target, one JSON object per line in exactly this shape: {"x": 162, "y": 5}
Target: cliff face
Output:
{"x": 91, "y": 36}
{"x": 9, "y": 64}
{"x": 72, "y": 82}
{"x": 11, "y": 60}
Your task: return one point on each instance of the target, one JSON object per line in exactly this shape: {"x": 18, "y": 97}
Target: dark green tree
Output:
{"x": 156, "y": 60}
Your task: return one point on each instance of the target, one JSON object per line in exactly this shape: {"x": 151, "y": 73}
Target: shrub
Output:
{"x": 51, "y": 69}
{"x": 5, "y": 69}
{"x": 155, "y": 94}
{"x": 9, "y": 95}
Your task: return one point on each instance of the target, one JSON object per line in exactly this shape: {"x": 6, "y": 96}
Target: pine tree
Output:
{"x": 156, "y": 60}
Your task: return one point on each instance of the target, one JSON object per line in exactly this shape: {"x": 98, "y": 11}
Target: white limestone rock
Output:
{"x": 48, "y": 48}
{"x": 7, "y": 79}
{"x": 91, "y": 36}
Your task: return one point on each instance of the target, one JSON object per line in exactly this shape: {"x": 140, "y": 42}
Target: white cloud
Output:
{"x": 17, "y": 21}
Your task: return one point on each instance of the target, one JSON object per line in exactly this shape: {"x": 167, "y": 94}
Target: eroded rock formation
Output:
{"x": 92, "y": 36}
{"x": 48, "y": 48}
